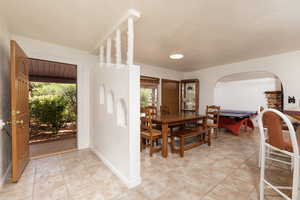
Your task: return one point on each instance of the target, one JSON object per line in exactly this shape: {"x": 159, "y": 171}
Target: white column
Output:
{"x": 118, "y": 47}
{"x": 101, "y": 55}
{"x": 108, "y": 50}
{"x": 130, "y": 45}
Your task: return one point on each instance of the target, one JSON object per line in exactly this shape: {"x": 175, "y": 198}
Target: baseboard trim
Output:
{"x": 129, "y": 183}
{"x": 5, "y": 176}
{"x": 133, "y": 183}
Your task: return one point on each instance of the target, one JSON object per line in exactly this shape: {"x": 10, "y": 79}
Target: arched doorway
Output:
{"x": 248, "y": 91}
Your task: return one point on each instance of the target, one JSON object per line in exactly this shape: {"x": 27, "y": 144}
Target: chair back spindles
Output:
{"x": 146, "y": 121}
{"x": 148, "y": 134}
{"x": 152, "y": 110}
{"x": 212, "y": 119}
{"x": 213, "y": 114}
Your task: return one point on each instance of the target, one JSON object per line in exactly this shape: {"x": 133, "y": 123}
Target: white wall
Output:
{"x": 118, "y": 146}
{"x": 83, "y": 60}
{"x": 5, "y": 140}
{"x": 285, "y": 66}
{"x": 244, "y": 94}
{"x": 161, "y": 73}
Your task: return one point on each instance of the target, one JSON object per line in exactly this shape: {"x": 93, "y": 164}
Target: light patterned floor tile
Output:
{"x": 226, "y": 170}
{"x": 220, "y": 192}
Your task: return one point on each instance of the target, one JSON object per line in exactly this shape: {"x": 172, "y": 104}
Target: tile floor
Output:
{"x": 225, "y": 171}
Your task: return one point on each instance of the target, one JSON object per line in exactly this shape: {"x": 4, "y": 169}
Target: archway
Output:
{"x": 249, "y": 90}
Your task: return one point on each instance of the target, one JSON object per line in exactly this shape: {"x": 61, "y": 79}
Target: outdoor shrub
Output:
{"x": 70, "y": 97}
{"x": 48, "y": 109}
{"x": 53, "y": 106}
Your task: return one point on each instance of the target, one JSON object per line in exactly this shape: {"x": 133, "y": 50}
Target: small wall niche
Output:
{"x": 110, "y": 102}
{"x": 102, "y": 94}
{"x": 121, "y": 113}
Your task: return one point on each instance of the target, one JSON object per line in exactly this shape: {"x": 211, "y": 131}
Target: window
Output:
{"x": 149, "y": 91}
{"x": 148, "y": 96}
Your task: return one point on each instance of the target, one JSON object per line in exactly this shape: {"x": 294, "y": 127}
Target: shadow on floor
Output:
{"x": 44, "y": 148}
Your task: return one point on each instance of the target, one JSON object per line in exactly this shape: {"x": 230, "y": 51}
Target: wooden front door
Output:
{"x": 170, "y": 95}
{"x": 19, "y": 110}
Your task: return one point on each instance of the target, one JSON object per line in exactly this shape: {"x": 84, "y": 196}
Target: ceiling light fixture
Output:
{"x": 176, "y": 56}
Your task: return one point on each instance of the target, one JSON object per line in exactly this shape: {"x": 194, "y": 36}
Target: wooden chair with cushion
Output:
{"x": 149, "y": 135}
{"x": 153, "y": 112}
{"x": 212, "y": 119}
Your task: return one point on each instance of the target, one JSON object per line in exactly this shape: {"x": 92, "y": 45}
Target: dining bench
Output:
{"x": 200, "y": 133}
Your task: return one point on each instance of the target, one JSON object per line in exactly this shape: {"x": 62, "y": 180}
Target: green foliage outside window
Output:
{"x": 145, "y": 97}
{"x": 148, "y": 97}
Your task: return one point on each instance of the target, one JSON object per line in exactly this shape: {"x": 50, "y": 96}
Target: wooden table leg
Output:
{"x": 165, "y": 140}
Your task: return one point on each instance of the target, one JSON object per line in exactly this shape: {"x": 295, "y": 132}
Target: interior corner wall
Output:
{"x": 83, "y": 60}
{"x": 285, "y": 66}
{"x": 5, "y": 140}
{"x": 116, "y": 144}
{"x": 161, "y": 73}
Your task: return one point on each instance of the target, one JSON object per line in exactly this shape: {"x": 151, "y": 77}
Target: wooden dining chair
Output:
{"x": 149, "y": 135}
{"x": 164, "y": 110}
{"x": 152, "y": 110}
{"x": 212, "y": 118}
{"x": 143, "y": 111}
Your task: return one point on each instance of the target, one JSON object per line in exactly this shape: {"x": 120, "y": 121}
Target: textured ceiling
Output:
{"x": 207, "y": 32}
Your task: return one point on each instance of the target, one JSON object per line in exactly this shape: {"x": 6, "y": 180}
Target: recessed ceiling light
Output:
{"x": 176, "y": 56}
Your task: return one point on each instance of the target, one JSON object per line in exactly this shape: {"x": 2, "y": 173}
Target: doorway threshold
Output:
{"x": 52, "y": 147}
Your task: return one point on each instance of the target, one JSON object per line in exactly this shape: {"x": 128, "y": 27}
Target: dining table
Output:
{"x": 169, "y": 120}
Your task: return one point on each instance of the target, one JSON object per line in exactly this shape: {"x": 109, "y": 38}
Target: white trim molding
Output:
{"x": 129, "y": 183}
{"x": 5, "y": 176}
